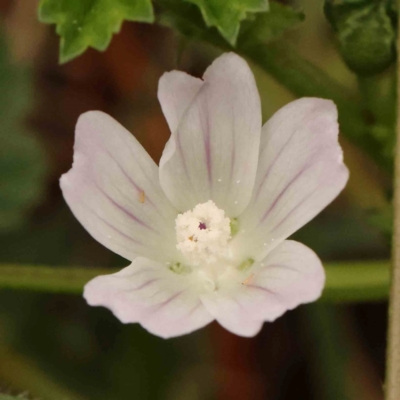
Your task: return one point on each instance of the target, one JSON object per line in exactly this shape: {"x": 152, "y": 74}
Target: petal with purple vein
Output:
{"x": 164, "y": 303}
{"x": 215, "y": 148}
{"x": 113, "y": 190}
{"x": 300, "y": 172}
{"x": 290, "y": 275}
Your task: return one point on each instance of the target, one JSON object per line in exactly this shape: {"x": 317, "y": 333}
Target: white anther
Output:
{"x": 203, "y": 233}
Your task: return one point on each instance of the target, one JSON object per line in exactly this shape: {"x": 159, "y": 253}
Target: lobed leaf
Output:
{"x": 91, "y": 23}
{"x": 227, "y": 15}
{"x": 266, "y": 27}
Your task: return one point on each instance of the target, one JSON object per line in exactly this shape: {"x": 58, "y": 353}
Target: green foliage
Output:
{"x": 227, "y": 15}
{"x": 260, "y": 28}
{"x": 379, "y": 101}
{"x": 366, "y": 33}
{"x": 91, "y": 23}
{"x": 266, "y": 27}
{"x": 284, "y": 63}
{"x": 22, "y": 158}
{"x": 383, "y": 219}
{"x": 329, "y": 349}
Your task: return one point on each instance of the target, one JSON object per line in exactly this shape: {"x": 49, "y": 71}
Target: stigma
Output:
{"x": 203, "y": 234}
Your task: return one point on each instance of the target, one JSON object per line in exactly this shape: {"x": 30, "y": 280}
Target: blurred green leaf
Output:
{"x": 271, "y": 25}
{"x": 379, "y": 101}
{"x": 227, "y": 15}
{"x": 329, "y": 351}
{"x": 261, "y": 28}
{"x": 383, "y": 219}
{"x": 186, "y": 18}
{"x": 91, "y": 23}
{"x": 365, "y": 31}
{"x": 22, "y": 160}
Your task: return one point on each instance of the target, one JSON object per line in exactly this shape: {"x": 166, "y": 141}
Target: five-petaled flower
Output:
{"x": 206, "y": 230}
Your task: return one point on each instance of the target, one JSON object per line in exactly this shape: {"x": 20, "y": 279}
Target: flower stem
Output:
{"x": 393, "y": 349}
{"x": 20, "y": 373}
{"x": 347, "y": 282}
{"x": 48, "y": 279}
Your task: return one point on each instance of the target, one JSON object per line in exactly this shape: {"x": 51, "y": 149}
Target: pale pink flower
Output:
{"x": 206, "y": 230}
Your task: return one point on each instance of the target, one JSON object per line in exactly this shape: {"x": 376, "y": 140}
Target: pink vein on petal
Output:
{"x": 271, "y": 292}
{"x": 142, "y": 286}
{"x": 117, "y": 230}
{"x": 233, "y": 151}
{"x": 134, "y": 184}
{"x": 304, "y": 169}
{"x": 272, "y": 164}
{"x": 166, "y": 302}
{"x": 207, "y": 146}
{"x": 294, "y": 209}
{"x": 279, "y": 266}
{"x": 125, "y": 211}
{"x": 179, "y": 146}
{"x": 191, "y": 312}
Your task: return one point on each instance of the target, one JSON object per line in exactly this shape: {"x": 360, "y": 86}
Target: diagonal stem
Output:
{"x": 289, "y": 68}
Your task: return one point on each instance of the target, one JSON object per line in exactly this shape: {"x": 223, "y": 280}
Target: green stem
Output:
{"x": 379, "y": 102}
{"x": 345, "y": 281}
{"x": 393, "y": 349}
{"x": 328, "y": 349}
{"x": 22, "y": 374}
{"x": 379, "y": 96}
{"x": 356, "y": 281}
{"x": 48, "y": 279}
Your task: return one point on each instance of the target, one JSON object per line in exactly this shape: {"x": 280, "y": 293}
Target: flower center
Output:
{"x": 203, "y": 233}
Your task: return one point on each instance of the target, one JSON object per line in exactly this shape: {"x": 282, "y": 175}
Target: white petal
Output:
{"x": 292, "y": 273}
{"x": 230, "y": 312}
{"x": 289, "y": 276}
{"x": 113, "y": 190}
{"x": 300, "y": 172}
{"x": 176, "y": 91}
{"x": 214, "y": 152}
{"x": 165, "y": 303}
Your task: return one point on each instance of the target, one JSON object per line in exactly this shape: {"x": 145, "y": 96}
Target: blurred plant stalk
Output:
{"x": 393, "y": 350}
{"x": 346, "y": 282}
{"x": 20, "y": 372}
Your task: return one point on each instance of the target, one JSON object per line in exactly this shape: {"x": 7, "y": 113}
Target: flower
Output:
{"x": 206, "y": 230}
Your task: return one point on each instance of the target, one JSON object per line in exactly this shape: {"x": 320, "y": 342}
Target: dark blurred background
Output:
{"x": 55, "y": 346}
